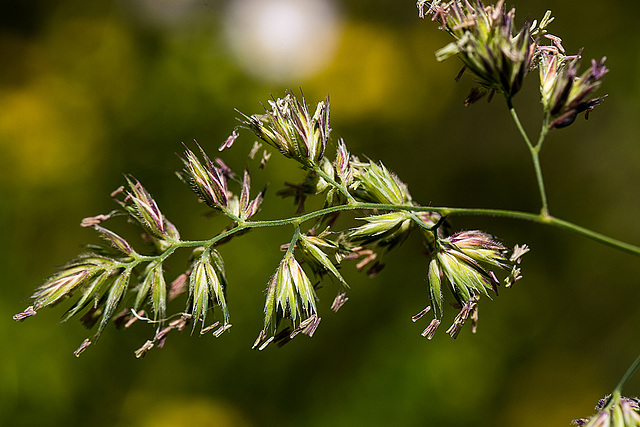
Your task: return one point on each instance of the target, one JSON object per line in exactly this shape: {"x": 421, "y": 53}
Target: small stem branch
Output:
{"x": 543, "y": 133}
{"x": 294, "y": 240}
{"x": 335, "y": 184}
{"x": 516, "y": 119}
{"x": 632, "y": 369}
{"x": 535, "y": 157}
{"x": 420, "y": 222}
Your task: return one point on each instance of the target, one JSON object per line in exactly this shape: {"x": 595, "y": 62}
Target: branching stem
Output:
{"x": 444, "y": 211}
{"x": 545, "y": 217}
{"x": 534, "y": 150}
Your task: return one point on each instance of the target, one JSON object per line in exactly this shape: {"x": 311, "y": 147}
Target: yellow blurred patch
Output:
{"x": 377, "y": 71}
{"x": 183, "y": 411}
{"x": 52, "y": 126}
{"x": 50, "y": 134}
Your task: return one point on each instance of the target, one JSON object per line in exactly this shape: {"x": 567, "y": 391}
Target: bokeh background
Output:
{"x": 89, "y": 90}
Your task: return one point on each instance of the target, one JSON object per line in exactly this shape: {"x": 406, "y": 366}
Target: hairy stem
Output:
{"x": 445, "y": 211}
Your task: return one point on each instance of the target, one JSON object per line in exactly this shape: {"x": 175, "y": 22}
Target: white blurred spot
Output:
{"x": 282, "y": 40}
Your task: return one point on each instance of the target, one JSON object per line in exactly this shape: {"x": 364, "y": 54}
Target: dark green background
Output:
{"x": 88, "y": 92}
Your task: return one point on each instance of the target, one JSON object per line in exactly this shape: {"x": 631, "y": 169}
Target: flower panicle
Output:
{"x": 289, "y": 127}
{"x": 290, "y": 296}
{"x": 73, "y": 276}
{"x": 387, "y": 230}
{"x": 376, "y": 184}
{"x": 141, "y": 206}
{"x": 463, "y": 262}
{"x": 500, "y": 57}
{"x": 207, "y": 180}
{"x": 103, "y": 276}
{"x": 487, "y": 42}
{"x": 101, "y": 299}
{"x": 153, "y": 287}
{"x": 103, "y": 284}
{"x": 144, "y": 208}
{"x": 207, "y": 288}
{"x": 564, "y": 92}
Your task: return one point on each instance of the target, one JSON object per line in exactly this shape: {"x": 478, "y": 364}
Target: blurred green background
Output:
{"x": 89, "y": 90}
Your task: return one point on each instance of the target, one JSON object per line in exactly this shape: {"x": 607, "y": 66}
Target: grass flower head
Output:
{"x": 486, "y": 41}
{"x": 464, "y": 263}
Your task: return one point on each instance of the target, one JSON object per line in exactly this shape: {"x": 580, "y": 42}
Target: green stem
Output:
{"x": 543, "y": 219}
{"x": 335, "y": 184}
{"x": 445, "y": 211}
{"x": 516, "y": 119}
{"x": 543, "y": 133}
{"x": 294, "y": 240}
{"x": 535, "y": 156}
{"x": 632, "y": 369}
{"x": 421, "y": 223}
